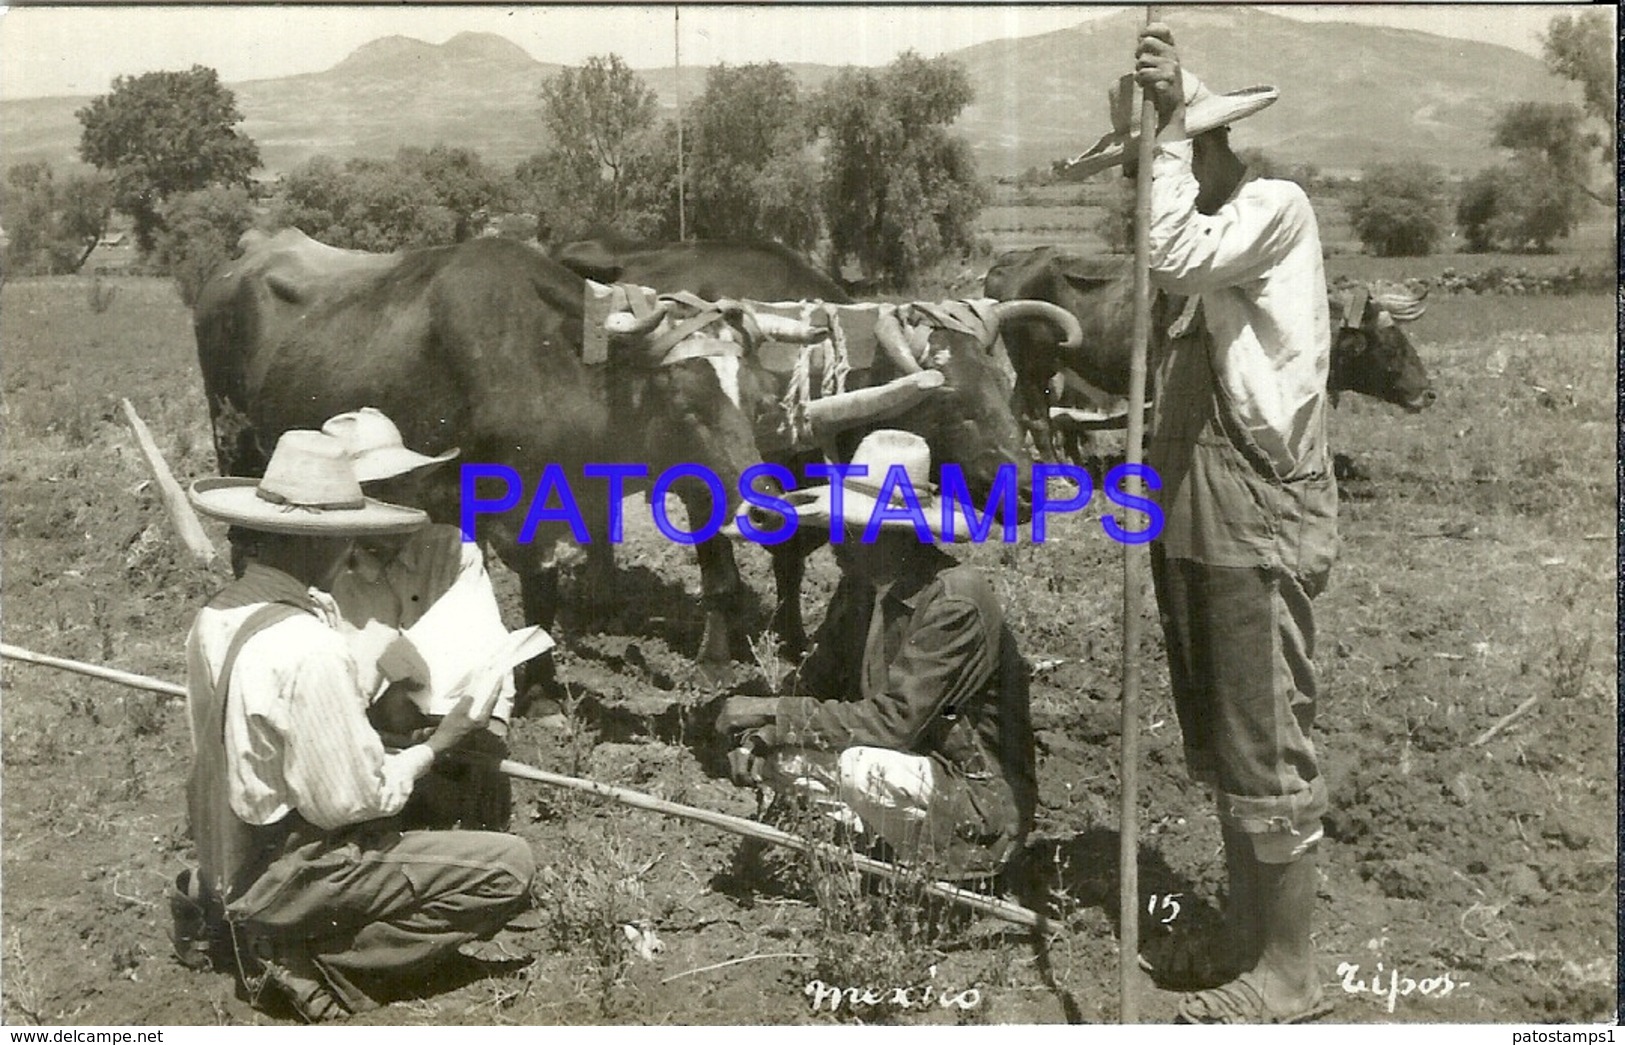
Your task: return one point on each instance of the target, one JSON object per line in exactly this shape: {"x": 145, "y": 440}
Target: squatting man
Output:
{"x": 307, "y": 887}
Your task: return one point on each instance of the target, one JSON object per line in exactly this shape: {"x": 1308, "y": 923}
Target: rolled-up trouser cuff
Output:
{"x": 1298, "y": 813}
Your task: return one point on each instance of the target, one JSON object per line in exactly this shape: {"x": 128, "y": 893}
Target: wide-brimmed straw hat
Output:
{"x": 309, "y": 489}
{"x": 376, "y": 447}
{"x": 880, "y": 452}
{"x": 1204, "y": 111}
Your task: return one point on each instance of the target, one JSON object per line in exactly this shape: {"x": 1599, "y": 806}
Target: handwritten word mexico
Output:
{"x": 1397, "y": 986}
{"x": 896, "y": 500}
{"x": 899, "y": 997}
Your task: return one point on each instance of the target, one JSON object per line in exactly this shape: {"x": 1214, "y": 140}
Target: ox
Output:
{"x": 478, "y": 346}
{"x": 710, "y": 268}
{"x": 967, "y": 419}
{"x": 1370, "y": 353}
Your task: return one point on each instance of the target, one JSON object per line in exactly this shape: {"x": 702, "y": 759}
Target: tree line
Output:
{"x": 865, "y": 170}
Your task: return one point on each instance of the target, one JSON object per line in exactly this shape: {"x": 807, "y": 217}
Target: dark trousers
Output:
{"x": 1241, "y": 660}
{"x": 370, "y": 901}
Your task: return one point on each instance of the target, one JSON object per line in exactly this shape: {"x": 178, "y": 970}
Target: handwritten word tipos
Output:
{"x": 1397, "y": 986}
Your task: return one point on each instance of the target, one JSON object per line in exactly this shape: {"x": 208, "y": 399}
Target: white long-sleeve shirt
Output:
{"x": 1257, "y": 265}
{"x": 296, "y": 731}
{"x": 398, "y": 593}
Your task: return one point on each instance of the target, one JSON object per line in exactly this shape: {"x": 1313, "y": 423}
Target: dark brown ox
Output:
{"x": 1370, "y": 352}
{"x": 966, "y": 420}
{"x": 477, "y": 346}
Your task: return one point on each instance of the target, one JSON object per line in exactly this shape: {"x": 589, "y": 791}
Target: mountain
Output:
{"x": 1351, "y": 95}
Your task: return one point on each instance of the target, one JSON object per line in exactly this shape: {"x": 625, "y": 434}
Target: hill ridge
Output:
{"x": 1391, "y": 94}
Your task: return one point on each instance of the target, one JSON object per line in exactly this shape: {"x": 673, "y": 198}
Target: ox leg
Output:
{"x": 721, "y": 598}
{"x": 599, "y": 576}
{"x": 536, "y": 682}
{"x": 789, "y": 569}
{"x": 1045, "y": 441}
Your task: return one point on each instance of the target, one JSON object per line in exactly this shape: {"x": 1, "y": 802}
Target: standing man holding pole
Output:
{"x": 1238, "y": 442}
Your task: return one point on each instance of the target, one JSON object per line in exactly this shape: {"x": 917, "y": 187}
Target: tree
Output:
{"x": 53, "y": 225}
{"x": 364, "y": 205}
{"x": 1581, "y": 48}
{"x": 900, "y": 193}
{"x": 1549, "y": 135}
{"x": 751, "y": 175}
{"x": 1481, "y": 197}
{"x": 1518, "y": 206}
{"x": 161, "y": 133}
{"x": 1396, "y": 210}
{"x": 200, "y": 232}
{"x": 460, "y": 181}
{"x": 597, "y": 115}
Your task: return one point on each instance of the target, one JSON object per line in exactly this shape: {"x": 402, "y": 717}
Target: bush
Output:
{"x": 365, "y": 205}
{"x": 1521, "y": 206}
{"x": 200, "y": 232}
{"x": 1395, "y": 210}
{"x": 53, "y": 225}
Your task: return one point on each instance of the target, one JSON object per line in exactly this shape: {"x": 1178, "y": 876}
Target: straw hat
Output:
{"x": 880, "y": 452}
{"x": 1204, "y": 111}
{"x": 375, "y": 445}
{"x": 309, "y": 489}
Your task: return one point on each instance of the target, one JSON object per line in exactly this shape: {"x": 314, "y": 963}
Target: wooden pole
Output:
{"x": 1128, "y": 899}
{"x": 123, "y": 678}
{"x": 738, "y": 825}
{"x": 179, "y": 509}
{"x": 677, "y": 50}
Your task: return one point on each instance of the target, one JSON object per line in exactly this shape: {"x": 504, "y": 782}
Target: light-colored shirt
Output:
{"x": 296, "y": 730}
{"x": 1257, "y": 265}
{"x": 396, "y": 594}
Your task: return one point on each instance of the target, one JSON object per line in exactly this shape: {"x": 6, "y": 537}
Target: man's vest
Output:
{"x": 231, "y": 853}
{"x": 1222, "y": 501}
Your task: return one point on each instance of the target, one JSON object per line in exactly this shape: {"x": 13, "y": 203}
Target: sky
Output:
{"x": 78, "y": 50}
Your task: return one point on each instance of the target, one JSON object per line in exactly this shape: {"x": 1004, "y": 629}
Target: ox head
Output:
{"x": 1371, "y": 353}
{"x": 694, "y": 401}
{"x": 967, "y": 419}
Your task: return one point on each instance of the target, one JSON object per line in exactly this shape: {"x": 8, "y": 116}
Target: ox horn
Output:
{"x": 1401, "y": 305}
{"x": 790, "y": 331}
{"x": 1065, "y": 322}
{"x": 891, "y": 339}
{"x": 625, "y": 324}
{"x": 843, "y": 410}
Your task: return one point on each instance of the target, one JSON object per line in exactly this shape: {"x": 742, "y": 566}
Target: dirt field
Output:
{"x": 1477, "y": 573}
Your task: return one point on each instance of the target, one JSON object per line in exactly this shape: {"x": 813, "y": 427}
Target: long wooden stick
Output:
{"x": 1002, "y": 909}
{"x": 180, "y": 511}
{"x": 738, "y": 825}
{"x": 1128, "y": 898}
{"x": 123, "y": 678}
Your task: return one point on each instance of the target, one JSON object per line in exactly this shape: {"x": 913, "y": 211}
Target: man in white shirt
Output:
{"x": 1238, "y": 442}
{"x": 292, "y": 790}
{"x": 390, "y": 582}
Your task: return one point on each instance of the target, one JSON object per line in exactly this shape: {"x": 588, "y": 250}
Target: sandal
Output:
{"x": 1239, "y": 1002}
{"x": 310, "y": 997}
{"x": 1191, "y": 961}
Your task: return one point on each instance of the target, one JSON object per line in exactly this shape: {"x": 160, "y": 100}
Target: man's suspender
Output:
{"x": 262, "y": 618}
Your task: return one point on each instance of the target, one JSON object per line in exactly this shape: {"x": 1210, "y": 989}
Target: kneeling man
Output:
{"x": 911, "y": 716}
{"x": 292, "y": 795}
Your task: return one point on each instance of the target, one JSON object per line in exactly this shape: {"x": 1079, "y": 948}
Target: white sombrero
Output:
{"x": 880, "y": 452}
{"x": 1204, "y": 111}
{"x": 309, "y": 489}
{"x": 376, "y": 447}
